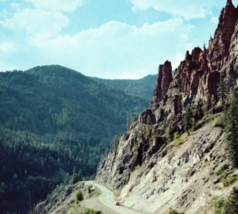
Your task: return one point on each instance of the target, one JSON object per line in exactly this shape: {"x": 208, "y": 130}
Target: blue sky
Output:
{"x": 104, "y": 38}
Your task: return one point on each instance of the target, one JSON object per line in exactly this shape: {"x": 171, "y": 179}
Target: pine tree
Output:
{"x": 221, "y": 91}
{"x": 148, "y": 120}
{"x": 232, "y": 206}
{"x": 128, "y": 121}
{"x": 187, "y": 119}
{"x": 179, "y": 105}
{"x": 115, "y": 143}
{"x": 76, "y": 176}
{"x": 79, "y": 196}
{"x": 207, "y": 104}
{"x": 169, "y": 134}
{"x": 232, "y": 129}
{"x": 228, "y": 87}
{"x": 213, "y": 102}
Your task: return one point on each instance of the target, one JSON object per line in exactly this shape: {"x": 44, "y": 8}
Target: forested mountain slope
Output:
{"x": 142, "y": 87}
{"x": 50, "y": 99}
{"x": 53, "y": 119}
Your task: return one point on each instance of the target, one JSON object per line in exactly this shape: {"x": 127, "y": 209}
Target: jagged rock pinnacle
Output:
{"x": 219, "y": 46}
{"x": 229, "y": 2}
{"x": 162, "y": 83}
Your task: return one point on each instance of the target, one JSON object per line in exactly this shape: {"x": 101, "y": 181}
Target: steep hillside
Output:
{"x": 51, "y": 99}
{"x": 175, "y": 155}
{"x": 142, "y": 87}
{"x": 52, "y": 120}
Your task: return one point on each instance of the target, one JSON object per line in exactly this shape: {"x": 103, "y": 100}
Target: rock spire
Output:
{"x": 162, "y": 83}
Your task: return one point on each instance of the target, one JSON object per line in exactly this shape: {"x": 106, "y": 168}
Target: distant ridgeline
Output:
{"x": 53, "y": 119}
{"x": 142, "y": 87}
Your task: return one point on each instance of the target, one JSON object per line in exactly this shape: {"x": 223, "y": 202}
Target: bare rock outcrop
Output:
{"x": 162, "y": 83}
{"x": 149, "y": 171}
{"x": 198, "y": 74}
{"x": 220, "y": 44}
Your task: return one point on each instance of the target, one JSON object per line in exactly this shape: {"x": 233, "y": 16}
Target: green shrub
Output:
{"x": 218, "y": 121}
{"x": 172, "y": 211}
{"x": 62, "y": 211}
{"x": 79, "y": 196}
{"x": 178, "y": 142}
{"x": 222, "y": 169}
{"x": 225, "y": 174}
{"x": 229, "y": 180}
{"x": 229, "y": 206}
{"x": 90, "y": 211}
{"x": 218, "y": 206}
{"x": 90, "y": 190}
{"x": 176, "y": 135}
{"x": 162, "y": 147}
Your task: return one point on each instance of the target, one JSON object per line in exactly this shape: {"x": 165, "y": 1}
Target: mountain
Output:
{"x": 180, "y": 155}
{"x": 52, "y": 120}
{"x": 142, "y": 87}
{"x": 62, "y": 99}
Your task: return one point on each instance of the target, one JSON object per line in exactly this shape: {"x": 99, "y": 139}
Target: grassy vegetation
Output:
{"x": 97, "y": 194}
{"x": 173, "y": 211}
{"x": 176, "y": 135}
{"x": 218, "y": 206}
{"x": 222, "y": 169}
{"x": 91, "y": 211}
{"x": 227, "y": 179}
{"x": 229, "y": 206}
{"x": 162, "y": 147}
{"x": 178, "y": 142}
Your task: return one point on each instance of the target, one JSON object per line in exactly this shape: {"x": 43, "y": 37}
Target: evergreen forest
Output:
{"x": 55, "y": 121}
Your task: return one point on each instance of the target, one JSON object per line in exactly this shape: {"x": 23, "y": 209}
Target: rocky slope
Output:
{"x": 153, "y": 173}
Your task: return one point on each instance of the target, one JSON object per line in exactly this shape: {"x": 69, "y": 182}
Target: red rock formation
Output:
{"x": 166, "y": 77}
{"x": 198, "y": 74}
{"x": 219, "y": 46}
{"x": 195, "y": 78}
{"x": 162, "y": 83}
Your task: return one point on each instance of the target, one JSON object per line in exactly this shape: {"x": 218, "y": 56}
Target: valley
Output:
{"x": 165, "y": 144}
{"x": 54, "y": 120}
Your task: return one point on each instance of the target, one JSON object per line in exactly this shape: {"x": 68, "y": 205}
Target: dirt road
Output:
{"x": 105, "y": 202}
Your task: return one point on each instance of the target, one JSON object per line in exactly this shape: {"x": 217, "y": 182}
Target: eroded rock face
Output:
{"x": 198, "y": 74}
{"x": 153, "y": 178}
{"x": 192, "y": 81}
{"x": 162, "y": 83}
{"x": 179, "y": 177}
{"x": 220, "y": 44}
{"x": 167, "y": 177}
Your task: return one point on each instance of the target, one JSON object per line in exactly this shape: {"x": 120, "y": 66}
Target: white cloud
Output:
{"x": 181, "y": 8}
{"x": 7, "y": 47}
{"x": 57, "y": 5}
{"x": 15, "y": 6}
{"x": 3, "y": 14}
{"x": 118, "y": 50}
{"x": 178, "y": 58}
{"x": 38, "y": 24}
{"x": 215, "y": 20}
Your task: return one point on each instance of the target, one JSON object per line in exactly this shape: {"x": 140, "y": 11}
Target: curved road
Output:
{"x": 105, "y": 202}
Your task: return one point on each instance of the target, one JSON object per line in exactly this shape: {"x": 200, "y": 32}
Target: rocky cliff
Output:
{"x": 152, "y": 168}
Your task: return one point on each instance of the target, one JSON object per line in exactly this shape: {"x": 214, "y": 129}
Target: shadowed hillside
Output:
{"x": 53, "y": 119}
